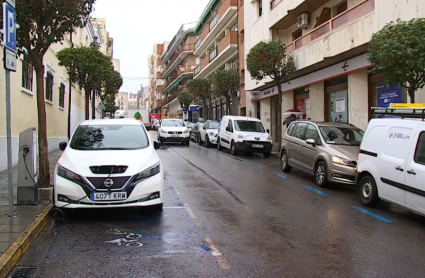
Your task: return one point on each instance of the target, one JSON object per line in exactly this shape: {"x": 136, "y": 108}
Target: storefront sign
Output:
{"x": 194, "y": 108}
{"x": 340, "y": 105}
{"x": 351, "y": 65}
{"x": 387, "y": 94}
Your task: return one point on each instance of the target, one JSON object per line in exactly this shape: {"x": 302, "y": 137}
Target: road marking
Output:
{"x": 216, "y": 253}
{"x": 190, "y": 212}
{"x": 383, "y": 219}
{"x": 256, "y": 166}
{"x": 238, "y": 159}
{"x": 178, "y": 192}
{"x": 282, "y": 176}
{"x": 316, "y": 191}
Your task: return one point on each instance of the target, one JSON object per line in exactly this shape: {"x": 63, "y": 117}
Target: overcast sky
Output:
{"x": 135, "y": 25}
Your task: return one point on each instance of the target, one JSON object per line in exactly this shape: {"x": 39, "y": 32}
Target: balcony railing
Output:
{"x": 350, "y": 15}
{"x": 176, "y": 74}
{"x": 213, "y": 54}
{"x": 274, "y": 3}
{"x": 183, "y": 48}
{"x": 198, "y": 42}
{"x": 197, "y": 69}
{"x": 214, "y": 22}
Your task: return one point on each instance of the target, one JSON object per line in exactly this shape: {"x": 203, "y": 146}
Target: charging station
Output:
{"x": 27, "y": 168}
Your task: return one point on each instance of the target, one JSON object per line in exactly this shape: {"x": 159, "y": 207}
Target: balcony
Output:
{"x": 346, "y": 31}
{"x": 159, "y": 96}
{"x": 184, "y": 30}
{"x": 172, "y": 95}
{"x": 226, "y": 11}
{"x": 197, "y": 69}
{"x": 177, "y": 57}
{"x": 225, "y": 50}
{"x": 174, "y": 79}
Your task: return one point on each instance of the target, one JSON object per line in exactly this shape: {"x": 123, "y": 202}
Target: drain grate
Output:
{"x": 22, "y": 272}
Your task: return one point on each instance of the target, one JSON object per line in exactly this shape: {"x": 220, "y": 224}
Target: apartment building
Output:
{"x": 156, "y": 83}
{"x": 241, "y": 95}
{"x": 216, "y": 47}
{"x": 23, "y": 95}
{"x": 133, "y": 102}
{"x": 178, "y": 66}
{"x": 328, "y": 40}
{"x": 121, "y": 100}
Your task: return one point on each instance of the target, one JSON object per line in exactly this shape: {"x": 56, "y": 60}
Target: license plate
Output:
{"x": 109, "y": 196}
{"x": 257, "y": 146}
{"x": 174, "y": 135}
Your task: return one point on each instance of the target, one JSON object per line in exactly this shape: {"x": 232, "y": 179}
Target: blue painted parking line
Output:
{"x": 238, "y": 159}
{"x": 282, "y": 176}
{"x": 383, "y": 219}
{"x": 316, "y": 191}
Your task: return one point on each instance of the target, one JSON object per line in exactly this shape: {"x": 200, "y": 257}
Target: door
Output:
{"x": 228, "y": 134}
{"x": 309, "y": 152}
{"x": 338, "y": 106}
{"x": 415, "y": 173}
{"x": 296, "y": 145}
{"x": 203, "y": 131}
{"x": 393, "y": 161}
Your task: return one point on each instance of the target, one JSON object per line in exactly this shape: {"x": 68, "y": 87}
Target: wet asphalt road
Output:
{"x": 227, "y": 216}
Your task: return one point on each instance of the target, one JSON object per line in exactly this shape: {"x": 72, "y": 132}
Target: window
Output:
{"x": 300, "y": 130}
{"x": 250, "y": 126}
{"x": 420, "y": 149}
{"x": 297, "y": 34}
{"x": 312, "y": 133}
{"x": 341, "y": 8}
{"x": 49, "y": 87}
{"x": 243, "y": 76}
{"x": 260, "y": 8}
{"x": 291, "y": 129}
{"x": 349, "y": 136}
{"x": 27, "y": 74}
{"x": 230, "y": 126}
{"x": 62, "y": 96}
{"x": 242, "y": 36}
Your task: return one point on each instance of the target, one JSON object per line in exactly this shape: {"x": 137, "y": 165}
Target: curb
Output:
{"x": 9, "y": 259}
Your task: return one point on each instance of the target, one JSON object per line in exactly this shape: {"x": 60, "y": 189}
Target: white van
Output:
{"x": 391, "y": 163}
{"x": 239, "y": 133}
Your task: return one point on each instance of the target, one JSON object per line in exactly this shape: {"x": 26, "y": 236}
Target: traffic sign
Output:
{"x": 9, "y": 60}
{"x": 11, "y": 3}
{"x": 9, "y": 27}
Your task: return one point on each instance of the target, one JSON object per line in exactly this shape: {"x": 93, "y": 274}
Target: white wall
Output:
{"x": 358, "y": 99}
{"x": 317, "y": 101}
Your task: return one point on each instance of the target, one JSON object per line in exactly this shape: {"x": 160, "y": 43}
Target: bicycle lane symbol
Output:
{"x": 130, "y": 240}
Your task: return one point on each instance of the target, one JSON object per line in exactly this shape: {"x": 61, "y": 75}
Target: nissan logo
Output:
{"x": 257, "y": 138}
{"x": 108, "y": 183}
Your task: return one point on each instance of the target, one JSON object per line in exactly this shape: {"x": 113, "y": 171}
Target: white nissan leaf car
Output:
{"x": 109, "y": 163}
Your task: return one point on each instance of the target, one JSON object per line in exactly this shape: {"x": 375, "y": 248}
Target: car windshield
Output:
{"x": 173, "y": 123}
{"x": 336, "y": 135}
{"x": 250, "y": 126}
{"x": 109, "y": 137}
{"x": 213, "y": 125}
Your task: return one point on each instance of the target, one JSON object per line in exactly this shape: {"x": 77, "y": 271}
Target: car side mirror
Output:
{"x": 311, "y": 142}
{"x": 157, "y": 145}
{"x": 62, "y": 146}
{"x": 268, "y": 130}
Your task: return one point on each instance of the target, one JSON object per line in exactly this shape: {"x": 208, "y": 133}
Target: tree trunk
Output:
{"x": 43, "y": 148}
{"x": 93, "y": 105}
{"x": 87, "y": 103}
{"x": 279, "y": 117}
{"x": 412, "y": 94}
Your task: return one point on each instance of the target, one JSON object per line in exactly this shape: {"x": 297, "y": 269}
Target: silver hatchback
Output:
{"x": 326, "y": 150}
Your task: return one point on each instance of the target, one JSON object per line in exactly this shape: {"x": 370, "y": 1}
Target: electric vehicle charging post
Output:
{"x": 27, "y": 168}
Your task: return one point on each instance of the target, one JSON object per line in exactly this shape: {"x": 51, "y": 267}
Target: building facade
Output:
{"x": 216, "y": 48}
{"x": 156, "y": 83}
{"x": 328, "y": 40}
{"x": 121, "y": 100}
{"x": 23, "y": 95}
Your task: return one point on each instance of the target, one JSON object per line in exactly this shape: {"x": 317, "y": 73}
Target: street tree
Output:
{"x": 225, "y": 83}
{"x": 89, "y": 66}
{"x": 109, "y": 86}
{"x": 398, "y": 52}
{"x": 201, "y": 90}
{"x": 41, "y": 24}
{"x": 269, "y": 60}
{"x": 185, "y": 99}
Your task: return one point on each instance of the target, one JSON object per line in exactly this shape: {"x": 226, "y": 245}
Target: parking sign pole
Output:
{"x": 9, "y": 143}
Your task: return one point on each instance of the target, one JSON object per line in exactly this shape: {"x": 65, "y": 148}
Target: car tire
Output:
{"x": 219, "y": 147}
{"x": 368, "y": 191}
{"x": 207, "y": 142}
{"x": 233, "y": 150}
{"x": 284, "y": 163}
{"x": 321, "y": 174}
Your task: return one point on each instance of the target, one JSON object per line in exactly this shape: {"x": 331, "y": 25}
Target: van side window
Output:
{"x": 230, "y": 126}
{"x": 420, "y": 149}
{"x": 300, "y": 130}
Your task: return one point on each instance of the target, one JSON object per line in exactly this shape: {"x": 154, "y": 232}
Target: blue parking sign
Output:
{"x": 9, "y": 27}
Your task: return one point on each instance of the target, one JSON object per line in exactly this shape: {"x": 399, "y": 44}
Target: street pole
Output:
{"x": 9, "y": 144}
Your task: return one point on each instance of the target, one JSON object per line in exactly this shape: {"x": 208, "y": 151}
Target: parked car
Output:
{"x": 391, "y": 163}
{"x": 194, "y": 135}
{"x": 109, "y": 164}
{"x": 173, "y": 131}
{"x": 208, "y": 133}
{"x": 326, "y": 150}
{"x": 239, "y": 133}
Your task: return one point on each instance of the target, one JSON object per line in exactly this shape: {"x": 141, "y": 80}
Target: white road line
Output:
{"x": 190, "y": 212}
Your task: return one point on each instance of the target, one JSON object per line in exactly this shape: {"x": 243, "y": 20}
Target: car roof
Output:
{"x": 242, "y": 118}
{"x": 123, "y": 121}
{"x": 323, "y": 123}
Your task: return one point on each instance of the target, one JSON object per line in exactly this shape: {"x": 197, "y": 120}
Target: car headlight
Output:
{"x": 240, "y": 136}
{"x": 186, "y": 131}
{"x": 151, "y": 171}
{"x": 342, "y": 161}
{"x": 69, "y": 175}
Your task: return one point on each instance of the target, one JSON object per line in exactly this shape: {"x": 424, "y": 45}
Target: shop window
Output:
{"x": 49, "y": 87}
{"x": 27, "y": 74}
{"x": 297, "y": 34}
{"x": 62, "y": 96}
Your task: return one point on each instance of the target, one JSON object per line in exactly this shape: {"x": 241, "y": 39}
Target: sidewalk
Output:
{"x": 12, "y": 227}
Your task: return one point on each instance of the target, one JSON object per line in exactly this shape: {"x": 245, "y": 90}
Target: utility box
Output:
{"x": 27, "y": 168}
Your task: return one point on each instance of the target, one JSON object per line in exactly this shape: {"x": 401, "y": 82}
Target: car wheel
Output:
{"x": 321, "y": 174}
{"x": 219, "y": 147}
{"x": 368, "y": 191}
{"x": 233, "y": 150}
{"x": 207, "y": 142}
{"x": 284, "y": 165}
